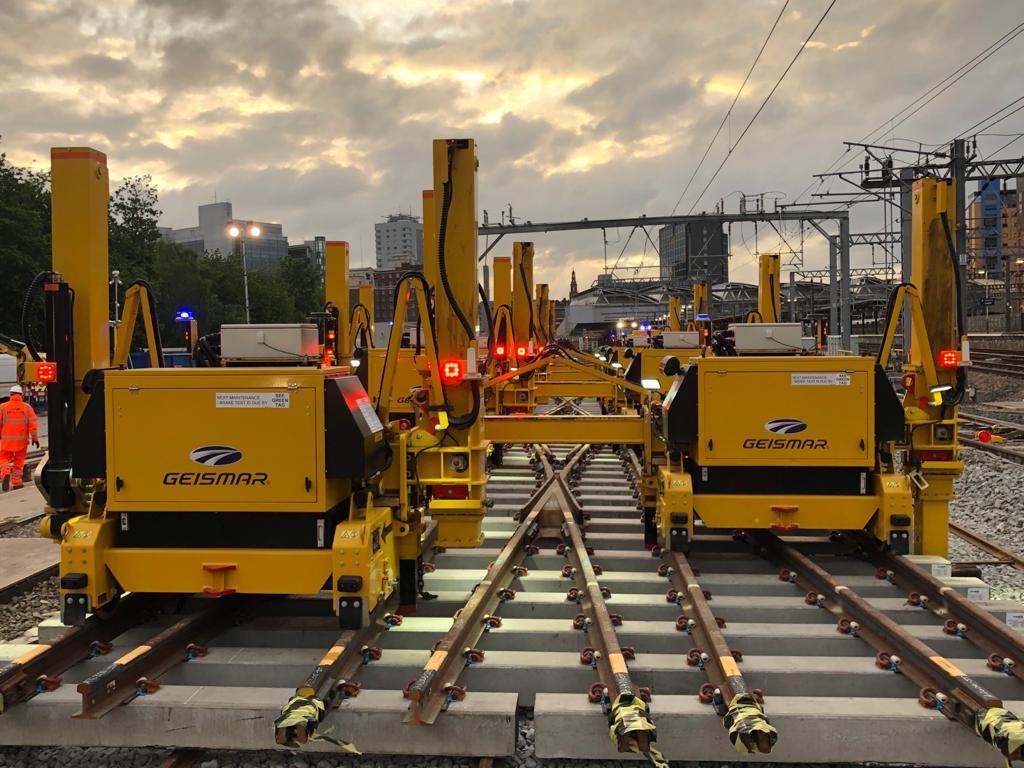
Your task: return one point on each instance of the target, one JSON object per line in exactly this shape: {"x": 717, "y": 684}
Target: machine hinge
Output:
{"x": 118, "y": 483}
{"x": 320, "y": 533}
{"x": 124, "y": 521}
{"x": 309, "y": 485}
{"x": 711, "y": 444}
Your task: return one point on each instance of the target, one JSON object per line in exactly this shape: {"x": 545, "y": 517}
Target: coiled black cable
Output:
{"x": 26, "y": 324}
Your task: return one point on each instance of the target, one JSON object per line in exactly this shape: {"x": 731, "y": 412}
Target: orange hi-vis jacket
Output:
{"x": 18, "y": 423}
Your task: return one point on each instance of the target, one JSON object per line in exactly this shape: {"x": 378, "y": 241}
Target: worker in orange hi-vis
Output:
{"x": 18, "y": 424}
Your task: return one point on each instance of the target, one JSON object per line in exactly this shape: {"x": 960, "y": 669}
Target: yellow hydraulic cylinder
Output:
{"x": 552, "y": 331}
{"x": 769, "y": 296}
{"x": 933, "y": 270}
{"x": 701, "y": 299}
{"x": 540, "y": 313}
{"x": 80, "y": 191}
{"x": 502, "y": 271}
{"x": 674, "y": 305}
{"x": 523, "y": 320}
{"x": 336, "y": 291}
{"x": 430, "y": 237}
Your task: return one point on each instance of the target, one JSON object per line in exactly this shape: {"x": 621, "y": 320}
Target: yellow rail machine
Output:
{"x": 206, "y": 480}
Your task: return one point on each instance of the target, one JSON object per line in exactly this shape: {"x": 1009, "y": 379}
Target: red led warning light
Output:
{"x": 520, "y": 351}
{"x": 451, "y": 371}
{"x": 949, "y": 358}
{"x": 499, "y": 350}
{"x": 984, "y": 436}
{"x": 46, "y": 373}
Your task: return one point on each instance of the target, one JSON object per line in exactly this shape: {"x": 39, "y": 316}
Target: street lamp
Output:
{"x": 235, "y": 231}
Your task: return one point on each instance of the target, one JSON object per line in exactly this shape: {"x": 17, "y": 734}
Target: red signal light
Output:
{"x": 330, "y": 335}
{"x": 46, "y": 373}
{"x": 949, "y": 358}
{"x": 984, "y": 436}
{"x": 540, "y": 349}
{"x": 499, "y": 350}
{"x": 520, "y": 351}
{"x": 451, "y": 371}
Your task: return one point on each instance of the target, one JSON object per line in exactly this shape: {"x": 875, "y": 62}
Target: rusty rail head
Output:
{"x": 137, "y": 671}
{"x": 18, "y": 678}
{"x": 980, "y": 627}
{"x": 916, "y": 660}
{"x": 975, "y": 539}
{"x": 429, "y": 693}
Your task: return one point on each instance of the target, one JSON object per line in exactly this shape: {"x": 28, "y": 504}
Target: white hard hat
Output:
{"x": 16, "y": 389}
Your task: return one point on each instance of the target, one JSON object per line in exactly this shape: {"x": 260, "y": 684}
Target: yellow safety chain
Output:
{"x": 1003, "y": 730}
{"x": 629, "y": 716}
{"x": 308, "y": 713}
{"x": 745, "y": 717}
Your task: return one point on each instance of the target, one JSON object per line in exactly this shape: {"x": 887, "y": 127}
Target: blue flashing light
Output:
{"x": 183, "y": 314}
{"x": 703, "y": 317}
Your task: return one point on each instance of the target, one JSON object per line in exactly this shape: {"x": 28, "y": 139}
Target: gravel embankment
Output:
{"x": 26, "y": 610}
{"x": 989, "y": 502}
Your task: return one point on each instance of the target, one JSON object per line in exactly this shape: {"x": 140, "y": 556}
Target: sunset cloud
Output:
{"x": 320, "y": 113}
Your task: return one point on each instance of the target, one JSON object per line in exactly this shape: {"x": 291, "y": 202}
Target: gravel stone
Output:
{"x": 25, "y": 611}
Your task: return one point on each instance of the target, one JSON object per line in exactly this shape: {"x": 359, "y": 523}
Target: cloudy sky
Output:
{"x": 319, "y": 113}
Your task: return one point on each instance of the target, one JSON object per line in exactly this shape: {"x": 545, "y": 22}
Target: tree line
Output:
{"x": 210, "y": 285}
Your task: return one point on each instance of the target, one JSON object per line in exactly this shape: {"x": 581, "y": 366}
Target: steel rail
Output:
{"x": 721, "y": 667}
{"x": 609, "y": 658}
{"x": 943, "y": 685}
{"x": 962, "y": 616}
{"x": 994, "y": 448}
{"x": 331, "y": 680}
{"x": 437, "y": 684}
{"x": 40, "y": 669}
{"x": 976, "y": 540}
{"x": 136, "y": 672}
{"x": 974, "y": 418}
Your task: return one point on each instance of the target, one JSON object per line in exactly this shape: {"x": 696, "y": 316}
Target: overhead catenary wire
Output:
{"x": 764, "y": 103}
{"x": 728, "y": 112}
{"x": 926, "y": 97}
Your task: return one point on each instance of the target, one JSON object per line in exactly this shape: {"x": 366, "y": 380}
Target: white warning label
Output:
{"x": 1015, "y": 620}
{"x": 365, "y": 408}
{"x": 253, "y": 400}
{"x": 820, "y": 379}
{"x": 978, "y": 593}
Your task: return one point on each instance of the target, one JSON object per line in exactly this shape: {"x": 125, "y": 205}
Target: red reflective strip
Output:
{"x": 78, "y": 154}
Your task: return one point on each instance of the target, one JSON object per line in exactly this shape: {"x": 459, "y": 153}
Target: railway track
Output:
{"x": 1006, "y": 429}
{"x": 593, "y": 615}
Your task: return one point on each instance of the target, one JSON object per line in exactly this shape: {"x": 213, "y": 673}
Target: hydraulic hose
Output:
{"x": 529, "y": 299}
{"x": 442, "y": 235}
{"x": 26, "y": 325}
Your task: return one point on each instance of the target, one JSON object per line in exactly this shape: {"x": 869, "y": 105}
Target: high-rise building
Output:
{"x": 399, "y": 241}
{"x": 212, "y": 235}
{"x": 694, "y": 250}
{"x": 994, "y": 234}
{"x": 315, "y": 250}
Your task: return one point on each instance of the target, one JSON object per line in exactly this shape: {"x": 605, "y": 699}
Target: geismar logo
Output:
{"x": 216, "y": 455}
{"x": 785, "y": 426}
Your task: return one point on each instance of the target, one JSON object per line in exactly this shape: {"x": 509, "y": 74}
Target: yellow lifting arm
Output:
{"x": 387, "y": 378}
{"x": 908, "y": 292}
{"x": 137, "y": 298}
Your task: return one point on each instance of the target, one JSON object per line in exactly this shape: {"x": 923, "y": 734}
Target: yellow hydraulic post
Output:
{"x": 769, "y": 297}
{"x": 430, "y": 238}
{"x": 540, "y": 313}
{"x": 933, "y": 443}
{"x": 502, "y": 271}
{"x": 674, "y": 305}
{"x": 522, "y": 294}
{"x": 702, "y": 307}
{"x": 80, "y": 191}
{"x": 451, "y": 460}
{"x": 336, "y": 292}
{"x": 552, "y": 331}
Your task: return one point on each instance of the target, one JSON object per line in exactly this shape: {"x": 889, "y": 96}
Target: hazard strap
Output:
{"x": 630, "y": 716}
{"x": 1003, "y": 730}
{"x": 746, "y": 718}
{"x": 307, "y": 713}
